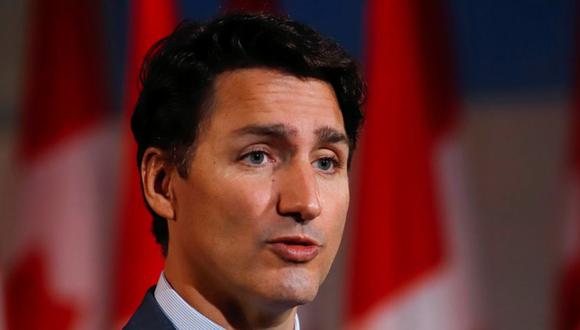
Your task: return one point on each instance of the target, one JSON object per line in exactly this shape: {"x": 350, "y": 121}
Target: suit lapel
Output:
{"x": 149, "y": 315}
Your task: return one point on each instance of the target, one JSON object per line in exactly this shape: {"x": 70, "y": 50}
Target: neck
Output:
{"x": 226, "y": 310}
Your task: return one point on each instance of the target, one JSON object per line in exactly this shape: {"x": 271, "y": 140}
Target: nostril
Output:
{"x": 297, "y": 217}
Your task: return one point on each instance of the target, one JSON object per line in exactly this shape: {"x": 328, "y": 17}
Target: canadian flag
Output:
{"x": 139, "y": 260}
{"x": 409, "y": 253}
{"x": 56, "y": 271}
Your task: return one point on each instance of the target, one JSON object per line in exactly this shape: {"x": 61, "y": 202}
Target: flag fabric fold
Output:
{"x": 407, "y": 258}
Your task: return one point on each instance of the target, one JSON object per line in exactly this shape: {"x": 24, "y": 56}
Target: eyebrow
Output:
{"x": 277, "y": 130}
{"x": 325, "y": 134}
{"x": 329, "y": 135}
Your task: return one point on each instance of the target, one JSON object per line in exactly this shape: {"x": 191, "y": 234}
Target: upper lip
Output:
{"x": 295, "y": 240}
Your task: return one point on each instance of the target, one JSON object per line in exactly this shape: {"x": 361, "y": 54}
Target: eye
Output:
{"x": 255, "y": 158}
{"x": 326, "y": 164}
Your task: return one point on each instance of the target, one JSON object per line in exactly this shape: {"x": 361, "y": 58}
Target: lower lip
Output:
{"x": 295, "y": 253}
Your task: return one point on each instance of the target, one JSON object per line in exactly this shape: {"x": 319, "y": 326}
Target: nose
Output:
{"x": 298, "y": 193}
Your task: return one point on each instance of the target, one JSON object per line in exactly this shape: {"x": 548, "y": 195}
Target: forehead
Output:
{"x": 266, "y": 96}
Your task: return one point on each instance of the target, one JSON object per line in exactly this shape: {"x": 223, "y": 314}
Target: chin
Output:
{"x": 293, "y": 287}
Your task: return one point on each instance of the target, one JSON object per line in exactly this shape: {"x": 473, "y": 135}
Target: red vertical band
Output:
{"x": 64, "y": 83}
{"x": 397, "y": 234}
{"x": 139, "y": 260}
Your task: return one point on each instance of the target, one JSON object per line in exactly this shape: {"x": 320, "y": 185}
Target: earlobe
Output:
{"x": 156, "y": 178}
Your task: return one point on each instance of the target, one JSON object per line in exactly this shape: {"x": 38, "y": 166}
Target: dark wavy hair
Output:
{"x": 179, "y": 71}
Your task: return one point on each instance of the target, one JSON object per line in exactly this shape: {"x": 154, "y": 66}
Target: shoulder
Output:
{"x": 149, "y": 315}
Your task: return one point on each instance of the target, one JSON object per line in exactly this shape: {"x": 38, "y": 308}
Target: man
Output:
{"x": 245, "y": 129}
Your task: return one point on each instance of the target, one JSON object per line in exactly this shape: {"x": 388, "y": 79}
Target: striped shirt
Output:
{"x": 181, "y": 314}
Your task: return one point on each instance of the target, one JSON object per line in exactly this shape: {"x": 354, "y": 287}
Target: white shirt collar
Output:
{"x": 181, "y": 314}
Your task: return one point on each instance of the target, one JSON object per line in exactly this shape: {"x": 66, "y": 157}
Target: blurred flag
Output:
{"x": 409, "y": 254}
{"x": 139, "y": 260}
{"x": 568, "y": 290}
{"x": 55, "y": 277}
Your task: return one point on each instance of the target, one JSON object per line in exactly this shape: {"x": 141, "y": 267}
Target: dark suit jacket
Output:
{"x": 149, "y": 315}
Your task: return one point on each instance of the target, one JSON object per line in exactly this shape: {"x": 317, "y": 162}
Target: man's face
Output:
{"x": 260, "y": 216}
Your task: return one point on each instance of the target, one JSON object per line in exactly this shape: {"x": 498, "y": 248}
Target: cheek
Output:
{"x": 336, "y": 197}
{"x": 222, "y": 222}
{"x": 226, "y": 209}
{"x": 249, "y": 198}
{"x": 336, "y": 200}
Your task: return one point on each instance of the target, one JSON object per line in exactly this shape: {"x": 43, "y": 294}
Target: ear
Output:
{"x": 156, "y": 176}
